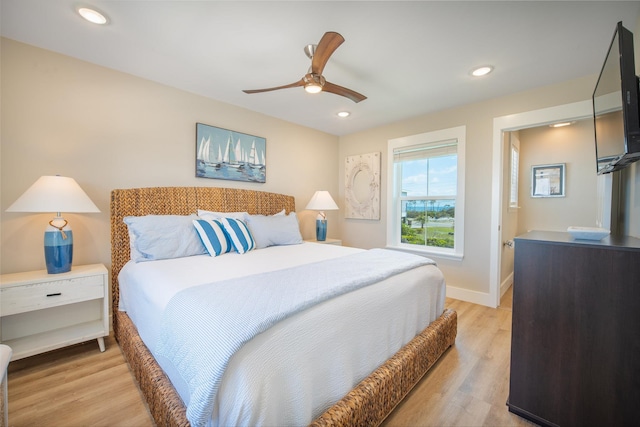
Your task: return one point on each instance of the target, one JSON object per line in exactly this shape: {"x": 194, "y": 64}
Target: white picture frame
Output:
{"x": 362, "y": 186}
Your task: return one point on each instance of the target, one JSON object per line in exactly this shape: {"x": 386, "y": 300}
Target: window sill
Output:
{"x": 428, "y": 252}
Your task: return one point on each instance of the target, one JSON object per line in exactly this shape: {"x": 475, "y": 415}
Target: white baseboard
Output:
{"x": 504, "y": 286}
{"x": 476, "y": 297}
{"x": 467, "y": 295}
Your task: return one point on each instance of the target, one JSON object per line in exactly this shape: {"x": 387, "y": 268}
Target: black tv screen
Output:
{"x": 615, "y": 106}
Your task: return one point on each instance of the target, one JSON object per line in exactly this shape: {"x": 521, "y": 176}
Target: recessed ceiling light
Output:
{"x": 92, "y": 15}
{"x": 482, "y": 71}
{"x": 562, "y": 124}
{"x": 344, "y": 114}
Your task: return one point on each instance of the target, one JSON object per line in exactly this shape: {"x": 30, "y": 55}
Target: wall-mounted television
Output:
{"x": 616, "y": 110}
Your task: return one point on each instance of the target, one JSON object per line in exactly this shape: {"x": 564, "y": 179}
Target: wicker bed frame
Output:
{"x": 367, "y": 404}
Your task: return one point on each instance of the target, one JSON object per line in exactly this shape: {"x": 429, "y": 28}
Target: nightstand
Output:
{"x": 329, "y": 241}
{"x": 40, "y": 312}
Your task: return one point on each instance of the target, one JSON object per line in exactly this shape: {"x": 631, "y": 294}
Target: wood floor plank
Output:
{"x": 78, "y": 386}
{"x": 487, "y": 379}
{"x": 463, "y": 410}
{"x": 469, "y": 385}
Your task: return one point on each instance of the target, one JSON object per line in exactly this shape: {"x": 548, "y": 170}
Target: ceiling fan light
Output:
{"x": 312, "y": 88}
{"x": 313, "y": 82}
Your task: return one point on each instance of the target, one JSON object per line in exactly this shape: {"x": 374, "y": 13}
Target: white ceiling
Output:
{"x": 408, "y": 57}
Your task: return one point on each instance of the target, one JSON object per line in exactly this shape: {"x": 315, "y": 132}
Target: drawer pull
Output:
{"x": 55, "y": 295}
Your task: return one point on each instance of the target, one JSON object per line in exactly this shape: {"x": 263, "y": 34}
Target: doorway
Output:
{"x": 501, "y": 125}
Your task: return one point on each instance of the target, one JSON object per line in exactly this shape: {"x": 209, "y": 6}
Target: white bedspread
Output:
{"x": 293, "y": 371}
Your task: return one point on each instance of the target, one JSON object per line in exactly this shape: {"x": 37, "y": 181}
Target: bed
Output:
{"x": 367, "y": 403}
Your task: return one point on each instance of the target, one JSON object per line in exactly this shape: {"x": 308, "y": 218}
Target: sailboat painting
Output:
{"x": 226, "y": 154}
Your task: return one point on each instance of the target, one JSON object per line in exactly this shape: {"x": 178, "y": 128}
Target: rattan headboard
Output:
{"x": 180, "y": 201}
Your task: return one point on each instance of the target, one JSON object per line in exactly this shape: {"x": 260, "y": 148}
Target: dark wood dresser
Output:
{"x": 575, "y": 349}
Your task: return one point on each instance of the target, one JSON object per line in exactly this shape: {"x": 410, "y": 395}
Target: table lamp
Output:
{"x": 321, "y": 201}
{"x": 55, "y": 194}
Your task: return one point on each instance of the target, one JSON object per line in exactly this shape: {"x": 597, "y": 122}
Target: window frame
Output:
{"x": 514, "y": 177}
{"x": 394, "y": 198}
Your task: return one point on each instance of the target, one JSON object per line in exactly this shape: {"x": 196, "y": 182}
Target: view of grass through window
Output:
{"x": 429, "y": 223}
{"x": 428, "y": 201}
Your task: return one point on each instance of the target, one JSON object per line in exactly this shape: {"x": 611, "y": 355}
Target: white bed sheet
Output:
{"x": 294, "y": 371}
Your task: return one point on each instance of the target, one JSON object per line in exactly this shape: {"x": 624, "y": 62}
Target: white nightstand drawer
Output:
{"x": 36, "y": 296}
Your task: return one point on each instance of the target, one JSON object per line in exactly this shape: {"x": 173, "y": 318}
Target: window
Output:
{"x": 426, "y": 182}
{"x": 513, "y": 183}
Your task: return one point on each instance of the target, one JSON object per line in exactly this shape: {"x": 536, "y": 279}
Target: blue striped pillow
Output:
{"x": 239, "y": 234}
{"x": 213, "y": 236}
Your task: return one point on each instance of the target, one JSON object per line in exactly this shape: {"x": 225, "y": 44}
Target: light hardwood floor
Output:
{"x": 469, "y": 385}
{"x": 79, "y": 386}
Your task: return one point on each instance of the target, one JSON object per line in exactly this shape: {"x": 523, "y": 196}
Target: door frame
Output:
{"x": 512, "y": 122}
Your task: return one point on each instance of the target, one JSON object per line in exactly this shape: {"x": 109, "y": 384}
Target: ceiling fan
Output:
{"x": 314, "y": 81}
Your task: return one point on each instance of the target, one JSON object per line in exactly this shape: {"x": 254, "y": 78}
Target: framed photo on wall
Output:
{"x": 548, "y": 180}
{"x": 226, "y": 154}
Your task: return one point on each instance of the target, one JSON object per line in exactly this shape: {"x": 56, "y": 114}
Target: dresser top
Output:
{"x": 564, "y": 238}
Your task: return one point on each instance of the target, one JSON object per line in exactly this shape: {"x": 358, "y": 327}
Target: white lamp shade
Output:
{"x": 322, "y": 201}
{"x": 54, "y": 194}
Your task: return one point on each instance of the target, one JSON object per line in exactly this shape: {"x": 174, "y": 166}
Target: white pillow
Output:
{"x": 237, "y": 215}
{"x": 239, "y": 234}
{"x": 163, "y": 236}
{"x": 217, "y": 215}
{"x": 213, "y": 236}
{"x": 274, "y": 230}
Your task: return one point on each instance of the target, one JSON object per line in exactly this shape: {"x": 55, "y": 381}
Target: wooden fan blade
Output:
{"x": 343, "y": 91}
{"x": 296, "y": 84}
{"x": 328, "y": 44}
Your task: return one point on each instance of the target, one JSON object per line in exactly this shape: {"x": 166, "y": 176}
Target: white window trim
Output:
{"x": 393, "y": 190}
{"x": 514, "y": 204}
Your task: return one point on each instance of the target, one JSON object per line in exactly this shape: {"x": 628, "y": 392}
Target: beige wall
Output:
{"x": 107, "y": 130}
{"x": 472, "y": 273}
{"x": 573, "y": 146}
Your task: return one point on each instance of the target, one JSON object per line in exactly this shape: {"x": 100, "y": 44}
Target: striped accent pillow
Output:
{"x": 213, "y": 236}
{"x": 239, "y": 234}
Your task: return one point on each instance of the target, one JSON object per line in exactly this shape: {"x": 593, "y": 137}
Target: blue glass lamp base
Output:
{"x": 58, "y": 251}
{"x": 321, "y": 230}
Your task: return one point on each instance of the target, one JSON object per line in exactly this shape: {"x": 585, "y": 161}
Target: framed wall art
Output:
{"x": 362, "y": 186}
{"x": 548, "y": 180}
{"x": 226, "y": 154}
